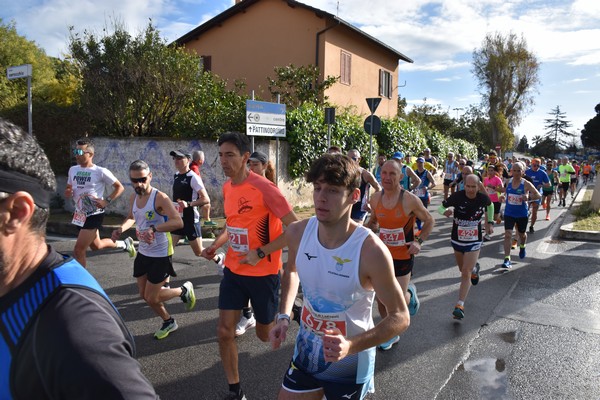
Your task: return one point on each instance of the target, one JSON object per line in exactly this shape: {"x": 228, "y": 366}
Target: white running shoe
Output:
{"x": 244, "y": 325}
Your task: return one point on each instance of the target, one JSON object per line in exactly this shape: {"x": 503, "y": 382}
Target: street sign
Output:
{"x": 372, "y": 124}
{"x": 265, "y": 119}
{"x": 330, "y": 115}
{"x": 373, "y": 103}
{"x": 498, "y": 147}
{"x": 20, "y": 71}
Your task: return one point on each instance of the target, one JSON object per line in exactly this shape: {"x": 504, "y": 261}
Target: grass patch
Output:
{"x": 586, "y": 218}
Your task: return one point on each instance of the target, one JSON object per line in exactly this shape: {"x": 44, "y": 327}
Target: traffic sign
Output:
{"x": 20, "y": 71}
{"x": 373, "y": 103}
{"x": 265, "y": 119}
{"x": 372, "y": 125}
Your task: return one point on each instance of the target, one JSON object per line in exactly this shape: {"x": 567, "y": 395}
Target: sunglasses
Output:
{"x": 461, "y": 163}
{"x": 139, "y": 180}
{"x": 178, "y": 158}
{"x": 80, "y": 152}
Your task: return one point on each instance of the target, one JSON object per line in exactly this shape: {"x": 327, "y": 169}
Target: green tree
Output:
{"x": 432, "y": 116}
{"x": 556, "y": 129}
{"x": 523, "y": 145}
{"x": 507, "y": 75}
{"x": 590, "y": 134}
{"x": 298, "y": 85}
{"x": 17, "y": 50}
{"x": 133, "y": 86}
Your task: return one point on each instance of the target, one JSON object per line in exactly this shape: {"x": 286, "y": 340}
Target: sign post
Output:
{"x": 329, "y": 120}
{"x": 371, "y": 122}
{"x": 23, "y": 71}
{"x": 265, "y": 119}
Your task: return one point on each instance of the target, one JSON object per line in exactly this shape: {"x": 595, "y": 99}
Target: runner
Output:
{"x": 367, "y": 180}
{"x": 189, "y": 193}
{"x": 422, "y": 191}
{"x": 255, "y": 210}
{"x": 340, "y": 265}
{"x": 493, "y": 185}
{"x": 60, "y": 336}
{"x": 586, "y": 171}
{"x": 575, "y": 177}
{"x": 408, "y": 179}
{"x": 515, "y": 210}
{"x": 394, "y": 212}
{"x": 154, "y": 216}
{"x": 540, "y": 180}
{"x": 381, "y": 158}
{"x": 196, "y": 165}
{"x": 549, "y": 192}
{"x": 469, "y": 207}
{"x": 86, "y": 184}
{"x": 565, "y": 171}
{"x": 451, "y": 169}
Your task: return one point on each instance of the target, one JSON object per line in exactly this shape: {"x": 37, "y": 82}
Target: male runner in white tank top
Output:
{"x": 341, "y": 265}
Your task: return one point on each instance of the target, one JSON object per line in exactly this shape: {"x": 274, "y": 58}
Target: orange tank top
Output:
{"x": 396, "y": 229}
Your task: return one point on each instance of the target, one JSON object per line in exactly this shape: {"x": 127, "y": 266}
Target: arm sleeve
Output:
{"x": 81, "y": 349}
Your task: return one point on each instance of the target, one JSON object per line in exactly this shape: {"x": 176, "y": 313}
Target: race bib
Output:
{"x": 490, "y": 190}
{"x": 318, "y": 322}
{"x": 78, "y": 218}
{"x": 515, "y": 199}
{"x": 238, "y": 239}
{"x": 178, "y": 208}
{"x": 468, "y": 233}
{"x": 420, "y": 192}
{"x": 392, "y": 237}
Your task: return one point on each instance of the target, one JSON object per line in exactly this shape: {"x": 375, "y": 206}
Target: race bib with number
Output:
{"x": 468, "y": 233}
{"x": 238, "y": 239}
{"x": 420, "y": 192}
{"x": 78, "y": 218}
{"x": 318, "y": 322}
{"x": 515, "y": 199}
{"x": 392, "y": 237}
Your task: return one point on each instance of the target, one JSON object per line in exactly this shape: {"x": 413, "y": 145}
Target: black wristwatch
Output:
{"x": 153, "y": 228}
{"x": 261, "y": 254}
{"x": 419, "y": 240}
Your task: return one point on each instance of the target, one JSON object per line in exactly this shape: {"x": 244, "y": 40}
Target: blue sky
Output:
{"x": 439, "y": 36}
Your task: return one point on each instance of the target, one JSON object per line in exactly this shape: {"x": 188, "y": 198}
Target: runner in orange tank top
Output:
{"x": 395, "y": 210}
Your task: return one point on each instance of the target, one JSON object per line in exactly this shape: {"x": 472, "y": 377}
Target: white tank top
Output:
{"x": 146, "y": 216}
{"x": 333, "y": 297}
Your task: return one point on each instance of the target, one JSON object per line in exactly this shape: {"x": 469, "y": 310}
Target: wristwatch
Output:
{"x": 108, "y": 199}
{"x": 283, "y": 316}
{"x": 261, "y": 254}
{"x": 153, "y": 228}
{"x": 419, "y": 240}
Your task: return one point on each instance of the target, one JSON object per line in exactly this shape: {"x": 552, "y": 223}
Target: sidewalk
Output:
{"x": 566, "y": 229}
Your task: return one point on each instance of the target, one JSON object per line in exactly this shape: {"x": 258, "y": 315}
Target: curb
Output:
{"x": 566, "y": 229}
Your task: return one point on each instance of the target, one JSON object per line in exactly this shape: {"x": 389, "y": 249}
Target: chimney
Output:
{"x": 238, "y": 1}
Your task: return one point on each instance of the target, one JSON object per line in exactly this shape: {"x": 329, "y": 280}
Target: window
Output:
{"x": 385, "y": 83}
{"x": 345, "y": 68}
{"x": 205, "y": 63}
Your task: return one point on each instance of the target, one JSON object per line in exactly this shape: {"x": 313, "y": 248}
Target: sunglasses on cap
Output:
{"x": 80, "y": 152}
{"x": 143, "y": 179}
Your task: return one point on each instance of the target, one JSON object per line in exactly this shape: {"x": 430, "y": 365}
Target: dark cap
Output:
{"x": 180, "y": 153}
{"x": 420, "y": 159}
{"x": 259, "y": 156}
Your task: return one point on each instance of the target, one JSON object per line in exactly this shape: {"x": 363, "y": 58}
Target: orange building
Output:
{"x": 250, "y": 39}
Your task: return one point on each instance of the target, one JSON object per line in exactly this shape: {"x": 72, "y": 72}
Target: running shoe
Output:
{"x": 547, "y": 217}
{"x": 210, "y": 223}
{"x": 220, "y": 264}
{"x": 129, "y": 247}
{"x": 414, "y": 304}
{"x": 475, "y": 274}
{"x": 244, "y": 325}
{"x": 531, "y": 230}
{"x": 522, "y": 252}
{"x": 385, "y": 346}
{"x": 166, "y": 328}
{"x": 236, "y": 396}
{"x": 506, "y": 264}
{"x": 188, "y": 296}
{"x": 459, "y": 312}
{"x": 514, "y": 244}
{"x": 487, "y": 238}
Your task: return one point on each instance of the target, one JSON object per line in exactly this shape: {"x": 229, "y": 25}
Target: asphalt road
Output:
{"x": 531, "y": 333}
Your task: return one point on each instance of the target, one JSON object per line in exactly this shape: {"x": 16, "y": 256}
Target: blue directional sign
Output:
{"x": 265, "y": 119}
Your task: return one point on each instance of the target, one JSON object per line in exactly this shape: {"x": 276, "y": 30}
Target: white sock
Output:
{"x": 461, "y": 303}
{"x": 120, "y": 244}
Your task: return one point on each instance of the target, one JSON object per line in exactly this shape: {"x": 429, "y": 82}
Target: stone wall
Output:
{"x": 117, "y": 154}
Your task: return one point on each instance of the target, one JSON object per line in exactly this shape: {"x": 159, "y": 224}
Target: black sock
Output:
{"x": 168, "y": 320}
{"x": 235, "y": 388}
{"x": 247, "y": 312}
{"x": 183, "y": 290}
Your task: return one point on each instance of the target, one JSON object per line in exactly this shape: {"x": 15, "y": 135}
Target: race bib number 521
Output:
{"x": 238, "y": 239}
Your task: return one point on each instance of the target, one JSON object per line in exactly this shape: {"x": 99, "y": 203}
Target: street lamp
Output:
{"x": 457, "y": 109}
